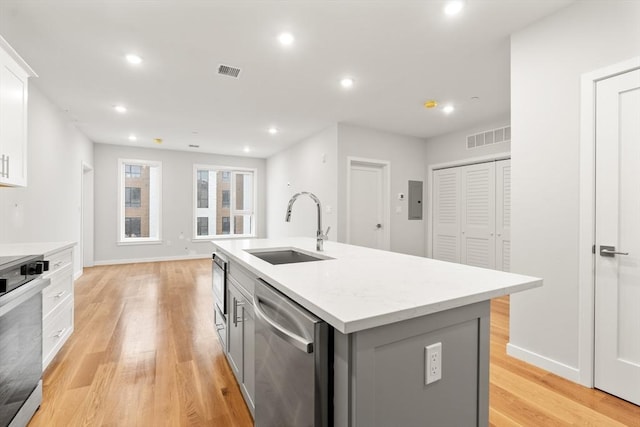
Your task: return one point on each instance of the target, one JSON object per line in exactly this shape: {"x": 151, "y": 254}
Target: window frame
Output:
{"x": 232, "y": 203}
{"x": 121, "y": 238}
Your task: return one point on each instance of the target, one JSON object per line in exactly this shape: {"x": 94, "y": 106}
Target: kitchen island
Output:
{"x": 384, "y": 309}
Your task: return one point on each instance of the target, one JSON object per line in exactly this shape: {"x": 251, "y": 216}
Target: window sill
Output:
{"x": 214, "y": 238}
{"x": 139, "y": 242}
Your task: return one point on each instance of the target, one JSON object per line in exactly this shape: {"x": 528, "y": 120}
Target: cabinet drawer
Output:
{"x": 59, "y": 260}
{"x": 57, "y": 292}
{"x": 243, "y": 277}
{"x": 56, "y": 329}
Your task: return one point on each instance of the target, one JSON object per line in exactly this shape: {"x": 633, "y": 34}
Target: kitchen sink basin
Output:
{"x": 285, "y": 256}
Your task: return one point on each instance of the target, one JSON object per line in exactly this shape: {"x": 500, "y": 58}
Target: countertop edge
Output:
{"x": 35, "y": 248}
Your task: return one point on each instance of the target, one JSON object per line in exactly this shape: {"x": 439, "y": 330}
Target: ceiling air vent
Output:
{"x": 226, "y": 70}
{"x": 489, "y": 137}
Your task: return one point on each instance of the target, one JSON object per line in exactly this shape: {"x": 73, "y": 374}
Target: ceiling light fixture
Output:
{"x": 133, "y": 59}
{"x": 347, "y": 82}
{"x": 286, "y": 39}
{"x": 133, "y": 137}
{"x": 246, "y": 149}
{"x": 273, "y": 130}
{"x": 120, "y": 109}
{"x": 453, "y": 7}
{"x": 448, "y": 109}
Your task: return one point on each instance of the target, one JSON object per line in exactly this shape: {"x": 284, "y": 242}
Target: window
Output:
{"x": 132, "y": 171}
{"x": 139, "y": 203}
{"x": 203, "y": 226}
{"x": 203, "y": 189}
{"x": 132, "y": 197}
{"x": 225, "y": 197}
{"x": 132, "y": 226}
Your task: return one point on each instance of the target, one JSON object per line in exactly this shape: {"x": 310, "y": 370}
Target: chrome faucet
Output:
{"x": 320, "y": 236}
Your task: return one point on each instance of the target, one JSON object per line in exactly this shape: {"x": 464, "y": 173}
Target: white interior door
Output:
{"x": 446, "y": 214}
{"x": 86, "y": 242}
{"x": 617, "y": 293}
{"x": 503, "y": 215}
{"x": 367, "y": 225}
{"x": 478, "y": 215}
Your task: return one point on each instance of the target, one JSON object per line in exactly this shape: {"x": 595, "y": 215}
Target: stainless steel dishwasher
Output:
{"x": 292, "y": 362}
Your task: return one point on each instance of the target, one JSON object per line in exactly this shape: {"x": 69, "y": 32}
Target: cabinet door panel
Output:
{"x": 13, "y": 121}
{"x": 235, "y": 333}
{"x": 249, "y": 353}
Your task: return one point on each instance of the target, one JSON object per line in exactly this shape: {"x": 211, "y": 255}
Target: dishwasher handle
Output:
{"x": 295, "y": 340}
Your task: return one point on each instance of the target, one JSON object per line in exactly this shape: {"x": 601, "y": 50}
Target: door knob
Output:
{"x": 378, "y": 225}
{"x": 610, "y": 251}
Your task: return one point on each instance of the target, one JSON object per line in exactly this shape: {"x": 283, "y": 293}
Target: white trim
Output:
{"x": 386, "y": 199}
{"x": 78, "y": 274}
{"x": 154, "y": 259}
{"x": 456, "y": 163}
{"x": 551, "y": 365}
{"x": 587, "y": 222}
{"x": 11, "y": 52}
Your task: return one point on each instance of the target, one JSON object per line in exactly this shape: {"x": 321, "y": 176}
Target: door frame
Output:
{"x": 385, "y": 165}
{"x": 86, "y": 209}
{"x": 454, "y": 164}
{"x": 587, "y": 221}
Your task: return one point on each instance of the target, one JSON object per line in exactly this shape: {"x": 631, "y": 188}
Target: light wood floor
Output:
{"x": 144, "y": 353}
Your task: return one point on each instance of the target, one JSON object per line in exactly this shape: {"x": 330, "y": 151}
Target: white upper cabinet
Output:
{"x": 14, "y": 76}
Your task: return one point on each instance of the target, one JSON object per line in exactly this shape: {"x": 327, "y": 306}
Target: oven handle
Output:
{"x": 12, "y": 299}
{"x": 295, "y": 340}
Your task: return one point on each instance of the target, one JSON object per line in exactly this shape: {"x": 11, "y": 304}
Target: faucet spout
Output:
{"x": 320, "y": 236}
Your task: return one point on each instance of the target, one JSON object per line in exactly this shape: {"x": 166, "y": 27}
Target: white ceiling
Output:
{"x": 400, "y": 53}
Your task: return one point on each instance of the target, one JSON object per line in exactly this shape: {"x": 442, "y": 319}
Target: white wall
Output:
{"x": 452, "y": 147}
{"x": 310, "y": 165}
{"x": 177, "y": 202}
{"x": 406, "y": 155}
{"x": 547, "y": 61}
{"x": 49, "y": 208}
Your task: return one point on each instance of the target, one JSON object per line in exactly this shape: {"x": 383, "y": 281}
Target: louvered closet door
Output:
{"x": 478, "y": 215}
{"x": 503, "y": 215}
{"x": 446, "y": 214}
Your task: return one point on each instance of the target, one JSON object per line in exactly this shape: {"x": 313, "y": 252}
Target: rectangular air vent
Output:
{"x": 489, "y": 137}
{"x": 226, "y": 70}
{"x": 194, "y": 146}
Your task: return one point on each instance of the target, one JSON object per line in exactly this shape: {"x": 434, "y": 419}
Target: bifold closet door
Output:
{"x": 478, "y": 215}
{"x": 446, "y": 214}
{"x": 503, "y": 215}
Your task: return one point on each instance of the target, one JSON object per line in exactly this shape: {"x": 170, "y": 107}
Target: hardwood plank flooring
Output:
{"x": 144, "y": 353}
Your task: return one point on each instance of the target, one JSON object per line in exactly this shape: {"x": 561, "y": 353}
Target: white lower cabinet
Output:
{"x": 57, "y": 304}
{"x": 241, "y": 348}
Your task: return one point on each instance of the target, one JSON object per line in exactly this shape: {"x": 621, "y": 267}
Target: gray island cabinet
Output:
{"x": 410, "y": 335}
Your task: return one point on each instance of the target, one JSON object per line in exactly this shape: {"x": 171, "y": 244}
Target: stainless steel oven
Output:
{"x": 20, "y": 339}
{"x": 219, "y": 284}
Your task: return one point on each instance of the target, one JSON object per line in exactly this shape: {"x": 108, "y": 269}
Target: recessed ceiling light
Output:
{"x": 120, "y": 109}
{"x": 133, "y": 137}
{"x": 273, "y": 130}
{"x": 453, "y": 7}
{"x": 286, "y": 39}
{"x": 246, "y": 149}
{"x": 448, "y": 109}
{"x": 133, "y": 59}
{"x": 347, "y": 82}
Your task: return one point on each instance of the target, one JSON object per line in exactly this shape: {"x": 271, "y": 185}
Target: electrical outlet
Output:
{"x": 433, "y": 363}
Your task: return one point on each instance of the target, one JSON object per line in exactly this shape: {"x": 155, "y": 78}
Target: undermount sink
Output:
{"x": 285, "y": 256}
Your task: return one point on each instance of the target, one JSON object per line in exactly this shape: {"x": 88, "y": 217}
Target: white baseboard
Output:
{"x": 157, "y": 259}
{"x": 77, "y": 274}
{"x": 553, "y": 366}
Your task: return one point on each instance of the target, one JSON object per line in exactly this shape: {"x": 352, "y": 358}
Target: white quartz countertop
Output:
{"x": 40, "y": 248}
{"x": 362, "y": 288}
